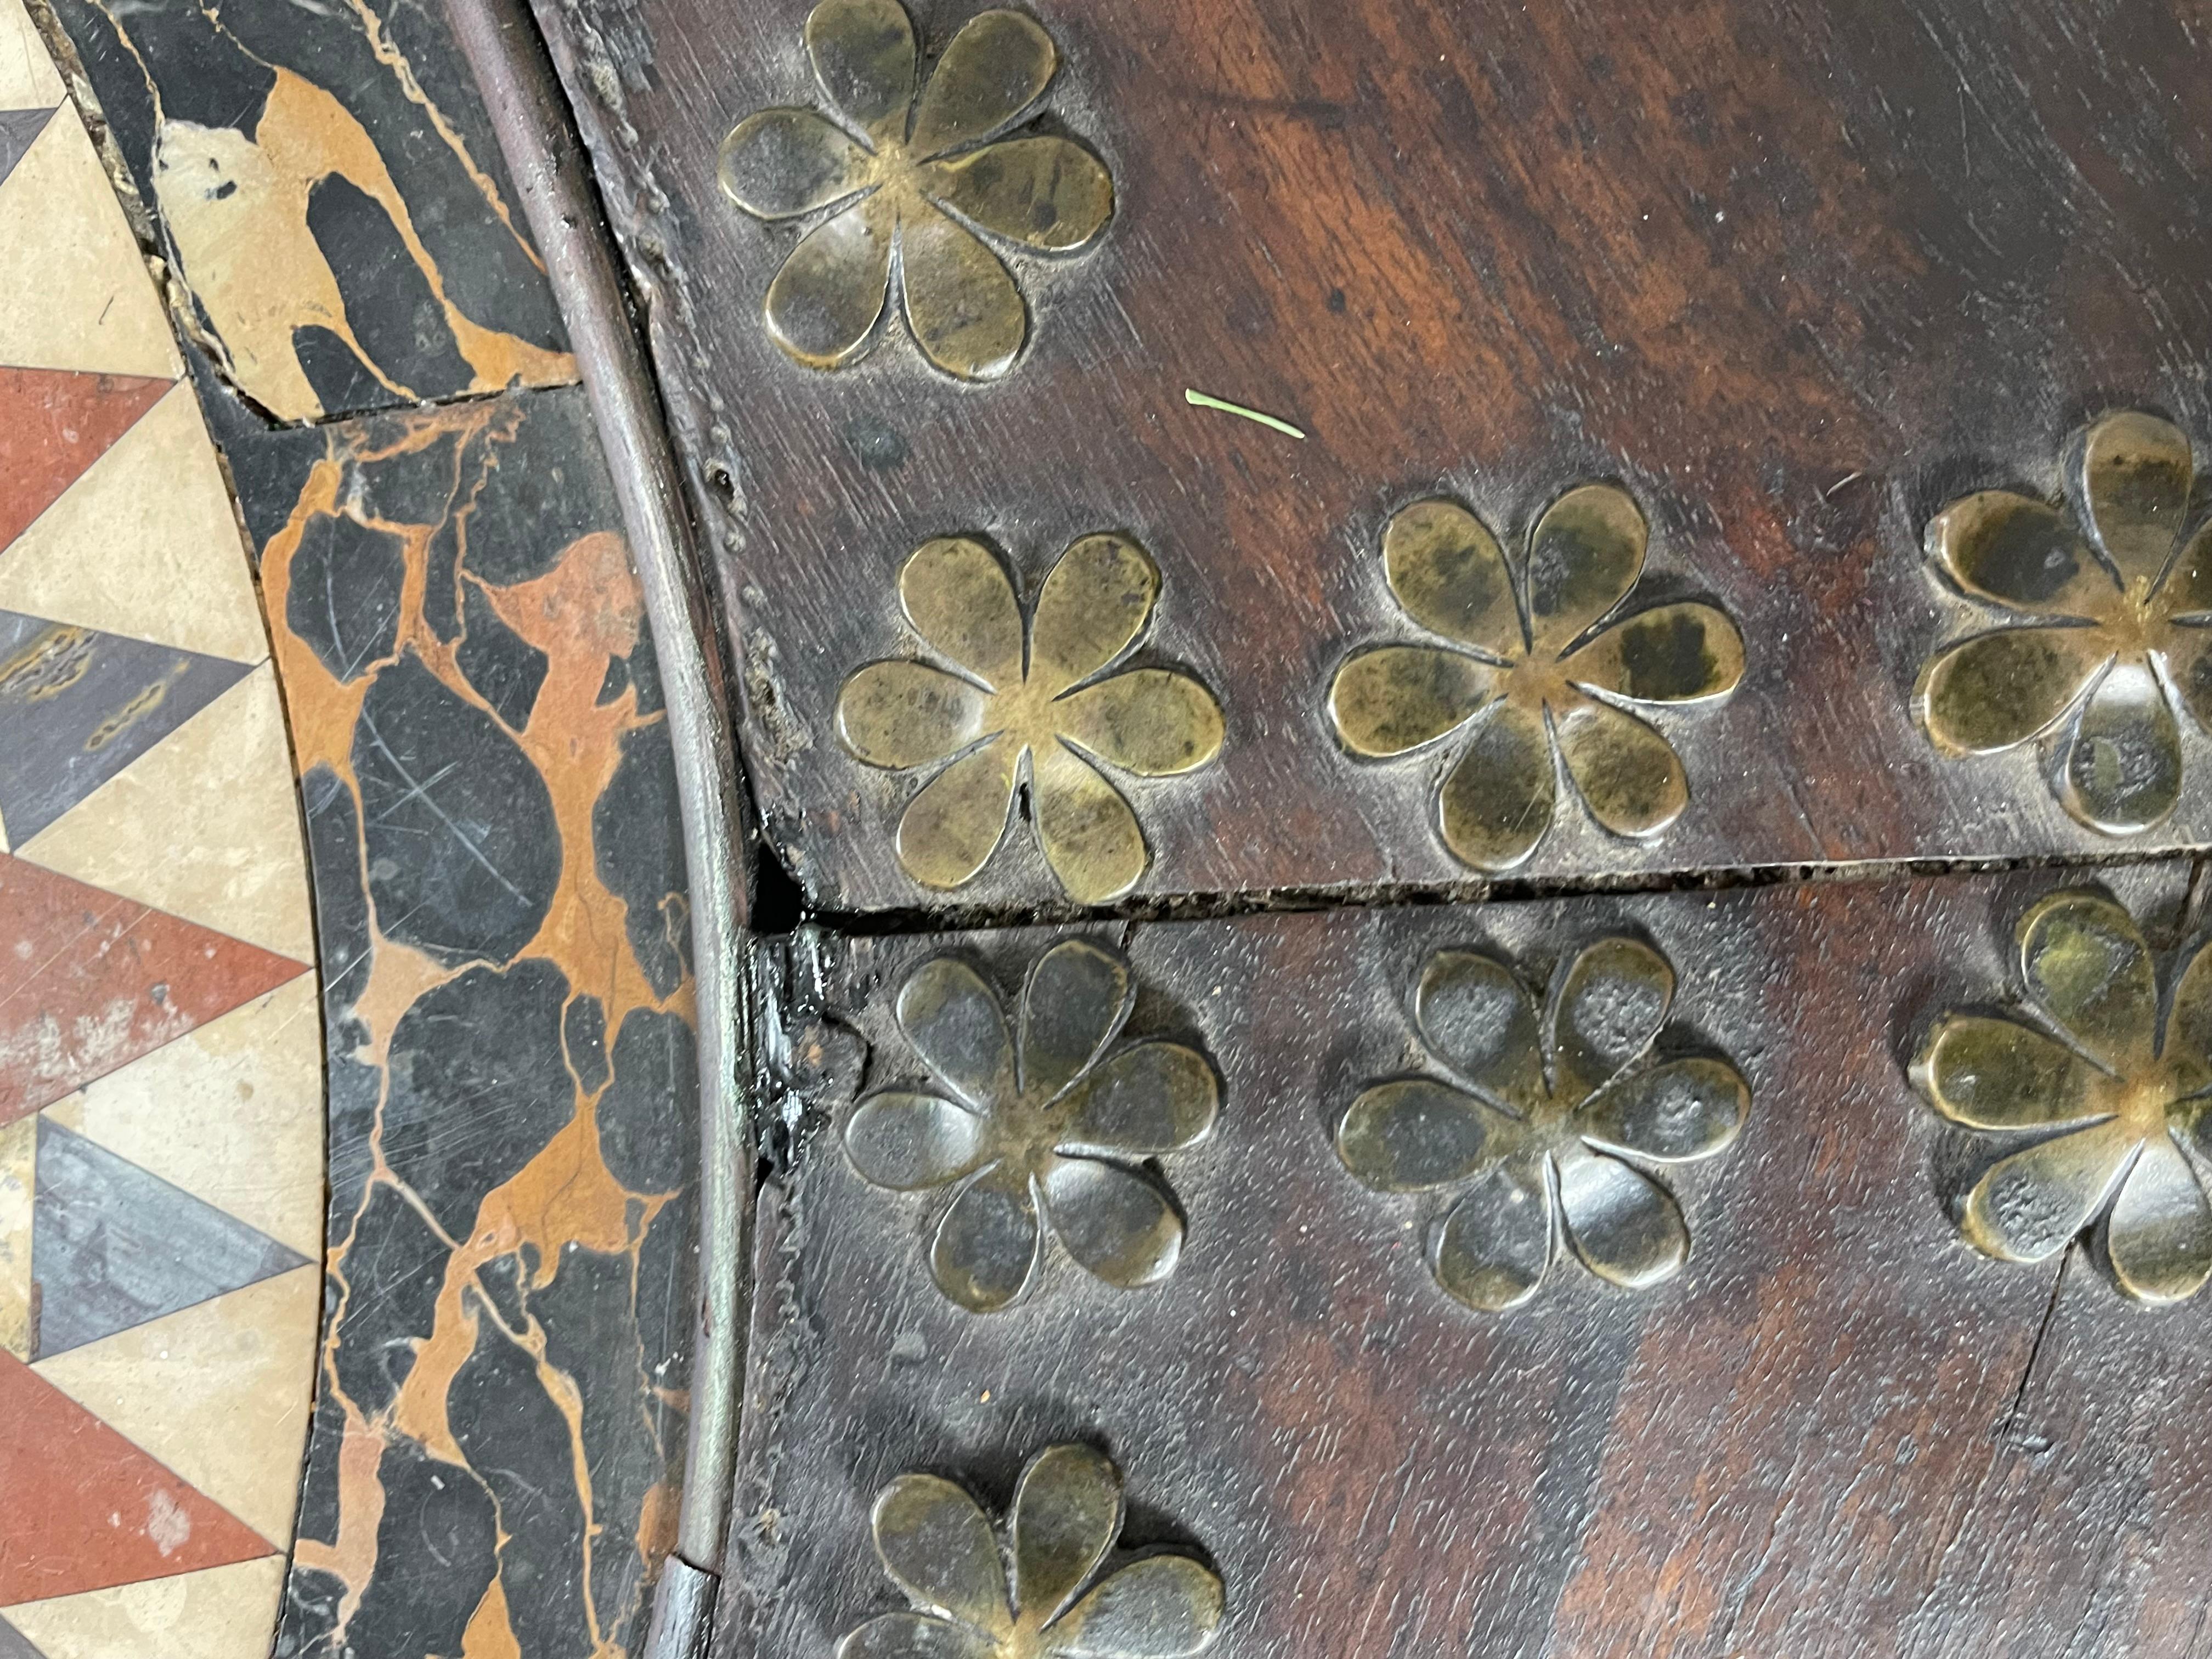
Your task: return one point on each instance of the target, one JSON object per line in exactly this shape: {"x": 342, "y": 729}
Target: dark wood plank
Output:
{"x": 1839, "y": 1432}
{"x": 1795, "y": 272}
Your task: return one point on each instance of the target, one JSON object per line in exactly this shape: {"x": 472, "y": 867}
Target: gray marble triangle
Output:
{"x": 77, "y": 706}
{"x": 112, "y": 1246}
{"x": 19, "y": 131}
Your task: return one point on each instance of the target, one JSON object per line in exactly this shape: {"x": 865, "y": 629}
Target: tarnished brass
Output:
{"x": 913, "y": 176}
{"x": 2114, "y": 1105}
{"x": 2122, "y": 632}
{"x": 1539, "y": 1119}
{"x": 1044, "y": 1121}
{"x": 1522, "y": 667}
{"x": 940, "y": 1548}
{"x": 1060, "y": 711}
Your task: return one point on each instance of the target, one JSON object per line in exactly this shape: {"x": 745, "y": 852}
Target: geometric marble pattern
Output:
{"x": 103, "y": 1512}
{"x": 17, "y": 128}
{"x": 89, "y": 980}
{"x": 76, "y": 707}
{"x": 55, "y": 422}
{"x": 112, "y": 1247}
{"x": 161, "y": 1108}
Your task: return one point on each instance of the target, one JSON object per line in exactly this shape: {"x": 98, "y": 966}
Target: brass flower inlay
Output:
{"x": 2123, "y": 631}
{"x": 1540, "y": 1117}
{"x": 1535, "y": 671}
{"x": 914, "y": 175}
{"x": 1036, "y": 1119}
{"x": 941, "y": 1549}
{"x": 1053, "y": 704}
{"x": 2116, "y": 1109}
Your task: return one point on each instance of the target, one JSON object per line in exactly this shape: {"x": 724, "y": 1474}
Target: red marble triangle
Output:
{"x": 89, "y": 980}
{"x": 86, "y": 1509}
{"x": 54, "y": 423}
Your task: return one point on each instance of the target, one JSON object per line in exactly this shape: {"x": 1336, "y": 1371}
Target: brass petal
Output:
{"x": 2030, "y": 1206}
{"x": 1094, "y": 603}
{"x": 2187, "y": 589}
{"x": 953, "y": 826}
{"x": 1397, "y": 697}
{"x": 2085, "y": 960}
{"x": 1492, "y": 1249}
{"x": 959, "y": 598}
{"x": 1475, "y": 1015}
{"x": 2134, "y": 477}
{"x": 1496, "y": 800}
{"x": 2160, "y": 1236}
{"x": 938, "y": 1546}
{"x": 1685, "y": 1109}
{"x": 830, "y": 291}
{"x": 1998, "y": 689}
{"x": 1626, "y": 1226}
{"x": 1676, "y": 653}
{"x": 1160, "y": 1607}
{"x": 1451, "y": 577}
{"x": 1090, "y": 835}
{"x": 1629, "y": 777}
{"x": 907, "y": 1141}
{"x": 1999, "y": 1074}
{"x": 1116, "y": 1223}
{"x": 1067, "y": 1513}
{"x": 955, "y": 1023}
{"x": 863, "y": 53}
{"x": 1612, "y": 1001}
{"x": 901, "y": 715}
{"x": 996, "y": 67}
{"x": 1074, "y": 1000}
{"x": 1048, "y": 193}
{"x": 781, "y": 162}
{"x": 2189, "y": 665}
{"x": 986, "y": 1248}
{"x": 2123, "y": 761}
{"x": 1152, "y": 722}
{"x": 1151, "y": 1098}
{"x": 1413, "y": 1133}
{"x": 915, "y": 1636}
{"x": 2022, "y": 553}
{"x": 2188, "y": 1045}
{"x": 966, "y": 313}
{"x": 1585, "y": 554}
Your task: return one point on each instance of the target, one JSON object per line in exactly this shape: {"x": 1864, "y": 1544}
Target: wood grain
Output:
{"x": 1795, "y": 274}
{"x": 1839, "y": 1432}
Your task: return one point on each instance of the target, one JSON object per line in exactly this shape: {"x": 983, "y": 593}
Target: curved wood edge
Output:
{"x": 530, "y": 114}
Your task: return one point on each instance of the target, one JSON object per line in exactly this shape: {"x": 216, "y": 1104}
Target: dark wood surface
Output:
{"x": 1839, "y": 1432}
{"x": 1794, "y": 274}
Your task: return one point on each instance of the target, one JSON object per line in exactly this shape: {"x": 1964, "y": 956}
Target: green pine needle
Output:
{"x": 1201, "y": 400}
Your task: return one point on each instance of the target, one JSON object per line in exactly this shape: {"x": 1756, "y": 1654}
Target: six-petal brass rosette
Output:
{"x": 1536, "y": 1127}
{"x": 1531, "y": 670}
{"x": 2116, "y": 1108}
{"x": 1038, "y": 702}
{"x": 908, "y": 181}
{"x": 1034, "y": 1120}
{"x": 942, "y": 1551}
{"x": 2121, "y": 630}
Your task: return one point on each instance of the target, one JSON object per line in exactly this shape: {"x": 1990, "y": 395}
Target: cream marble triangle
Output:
{"x": 231, "y": 1112}
{"x": 28, "y": 79}
{"x": 75, "y": 292}
{"x": 19, "y": 1143}
{"x": 219, "y": 1613}
{"x": 205, "y": 826}
{"x": 145, "y": 544}
{"x": 217, "y": 1392}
